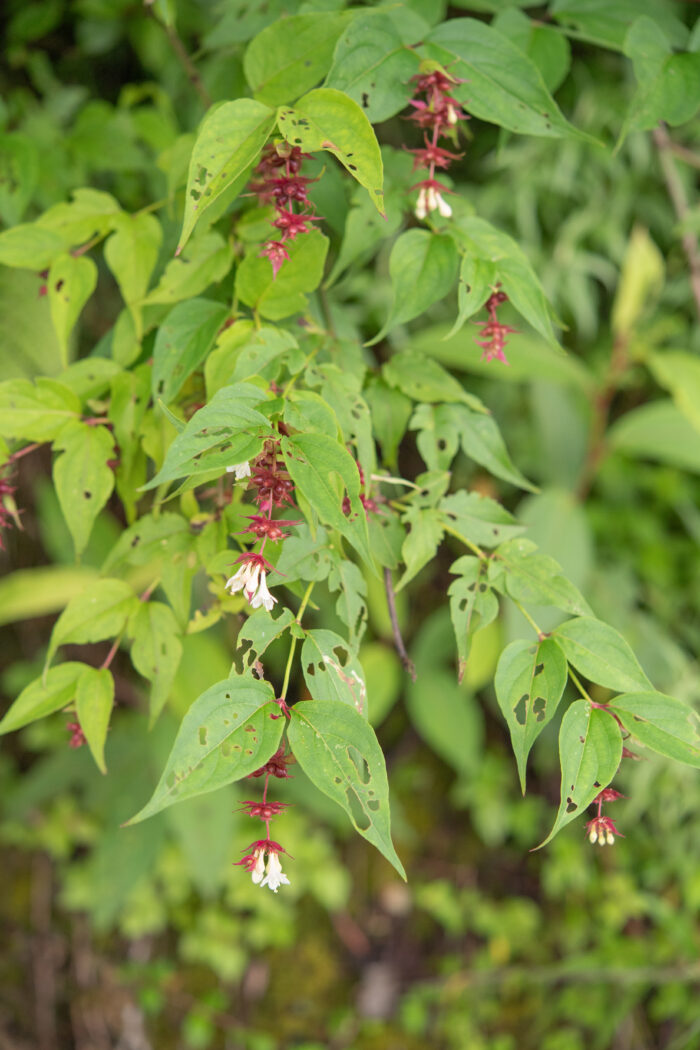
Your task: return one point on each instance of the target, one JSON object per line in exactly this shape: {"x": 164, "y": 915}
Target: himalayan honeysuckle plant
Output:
{"x": 274, "y": 454}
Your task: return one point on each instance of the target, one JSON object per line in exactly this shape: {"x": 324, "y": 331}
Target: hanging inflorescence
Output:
{"x": 438, "y": 114}
{"x": 493, "y": 332}
{"x": 279, "y": 182}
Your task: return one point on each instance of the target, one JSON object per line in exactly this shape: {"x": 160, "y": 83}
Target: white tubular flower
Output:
{"x": 274, "y": 877}
{"x": 258, "y": 871}
{"x": 442, "y": 206}
{"x": 247, "y": 578}
{"x": 421, "y": 209}
{"x": 262, "y": 596}
{"x": 239, "y": 470}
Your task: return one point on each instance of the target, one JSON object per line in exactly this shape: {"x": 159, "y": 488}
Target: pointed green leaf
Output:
{"x": 422, "y": 541}
{"x": 82, "y": 477}
{"x": 473, "y": 604}
{"x": 339, "y": 752}
{"x": 327, "y": 119}
{"x": 229, "y": 142}
{"x": 332, "y": 670}
{"x": 668, "y": 84}
{"x": 423, "y": 267}
{"x": 184, "y": 339}
{"x": 206, "y": 260}
{"x": 35, "y": 411}
{"x": 477, "y": 279}
{"x": 156, "y": 650}
{"x": 600, "y": 653}
{"x": 51, "y": 692}
{"x": 290, "y": 56}
{"x": 226, "y": 734}
{"x": 94, "y": 700}
{"x": 478, "y": 519}
{"x": 529, "y": 683}
{"x": 131, "y": 253}
{"x": 590, "y": 749}
{"x": 100, "y": 612}
{"x": 423, "y": 379}
{"x": 531, "y": 577}
{"x": 277, "y": 297}
{"x": 30, "y": 247}
{"x": 679, "y": 372}
{"x": 662, "y": 723}
{"x": 482, "y": 441}
{"x": 260, "y": 630}
{"x": 70, "y": 284}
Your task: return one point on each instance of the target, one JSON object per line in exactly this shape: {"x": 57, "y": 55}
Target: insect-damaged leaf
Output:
{"x": 473, "y": 604}
{"x": 226, "y": 734}
{"x": 332, "y": 671}
{"x": 590, "y": 749}
{"x": 339, "y": 752}
{"x": 530, "y": 680}
{"x": 82, "y": 477}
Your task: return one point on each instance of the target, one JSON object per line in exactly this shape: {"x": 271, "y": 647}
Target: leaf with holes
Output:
{"x": 422, "y": 541}
{"x": 100, "y": 612}
{"x": 36, "y": 411}
{"x": 327, "y": 119}
{"x": 477, "y": 519}
{"x": 51, "y": 692}
{"x": 590, "y": 749}
{"x": 228, "y": 430}
{"x": 423, "y": 268}
{"x": 259, "y": 631}
{"x": 70, "y": 284}
{"x": 332, "y": 671}
{"x": 473, "y": 604}
{"x": 600, "y": 653}
{"x": 531, "y": 577}
{"x": 529, "y": 683}
{"x": 314, "y": 462}
{"x": 501, "y": 84}
{"x": 423, "y": 379}
{"x": 94, "y": 700}
{"x": 183, "y": 341}
{"x": 226, "y": 734}
{"x": 156, "y": 650}
{"x": 351, "y": 606}
{"x": 82, "y": 477}
{"x": 662, "y": 723}
{"x": 290, "y": 56}
{"x": 339, "y": 752}
{"x": 373, "y": 66}
{"x": 229, "y": 141}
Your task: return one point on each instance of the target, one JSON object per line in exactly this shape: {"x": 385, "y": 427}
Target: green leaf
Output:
{"x": 156, "y": 650}
{"x": 600, "y": 653}
{"x": 83, "y": 479}
{"x": 423, "y": 379}
{"x": 607, "y": 24}
{"x": 131, "y": 253}
{"x": 327, "y": 119}
{"x": 332, "y": 671}
{"x": 29, "y": 246}
{"x": 679, "y": 372}
{"x": 662, "y": 723}
{"x": 478, "y": 519}
{"x": 485, "y": 242}
{"x": 473, "y": 604}
{"x": 590, "y": 749}
{"x": 658, "y": 431}
{"x": 100, "y": 612}
{"x": 26, "y": 593}
{"x": 260, "y": 630}
{"x": 640, "y": 284}
{"x": 206, "y": 260}
{"x": 288, "y": 57}
{"x": 52, "y": 692}
{"x": 229, "y": 141}
{"x": 530, "y": 680}
{"x": 482, "y": 442}
{"x": 391, "y": 411}
{"x": 35, "y": 411}
{"x": 19, "y": 174}
{"x": 547, "y": 47}
{"x": 91, "y": 377}
{"x": 537, "y": 579}
{"x": 94, "y": 700}
{"x": 421, "y": 543}
{"x": 339, "y": 752}
{"x": 266, "y": 345}
{"x": 228, "y": 430}
{"x": 70, "y": 284}
{"x": 226, "y": 734}
{"x": 423, "y": 268}
{"x": 477, "y": 278}
{"x": 669, "y": 85}
{"x": 373, "y": 66}
{"x": 323, "y": 471}
{"x": 276, "y": 298}
{"x": 351, "y": 606}
{"x": 305, "y": 556}
{"x": 503, "y": 86}
{"x": 183, "y": 341}
{"x": 90, "y": 215}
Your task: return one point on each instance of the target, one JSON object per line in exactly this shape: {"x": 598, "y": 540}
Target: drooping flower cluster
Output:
{"x": 279, "y": 182}
{"x": 438, "y": 114}
{"x": 493, "y": 332}
{"x": 602, "y": 829}
{"x": 262, "y": 857}
{"x": 274, "y": 489}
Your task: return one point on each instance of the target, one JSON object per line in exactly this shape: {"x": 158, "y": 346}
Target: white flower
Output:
{"x": 251, "y": 578}
{"x": 239, "y": 470}
{"x": 430, "y": 199}
{"x": 258, "y": 871}
{"x": 274, "y": 877}
{"x": 421, "y": 205}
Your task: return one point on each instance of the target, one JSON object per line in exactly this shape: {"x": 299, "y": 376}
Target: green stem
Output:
{"x": 293, "y": 646}
{"x": 467, "y": 543}
{"x": 577, "y": 682}
{"x": 540, "y": 633}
